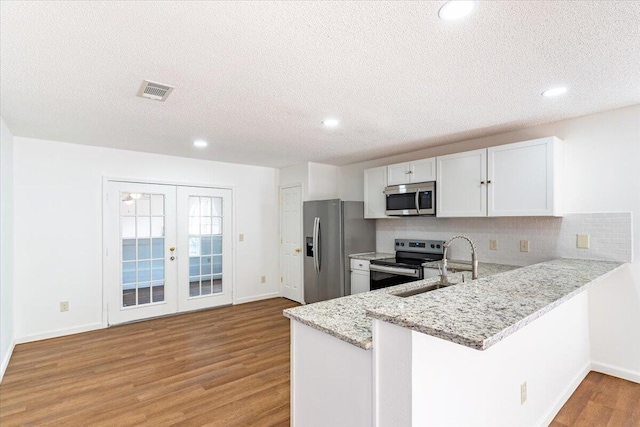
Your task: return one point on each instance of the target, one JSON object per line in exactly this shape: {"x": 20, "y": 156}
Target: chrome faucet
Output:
{"x": 474, "y": 261}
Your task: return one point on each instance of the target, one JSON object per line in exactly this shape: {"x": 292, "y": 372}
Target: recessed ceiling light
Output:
{"x": 331, "y": 123}
{"x": 200, "y": 143}
{"x": 555, "y": 91}
{"x": 456, "y": 9}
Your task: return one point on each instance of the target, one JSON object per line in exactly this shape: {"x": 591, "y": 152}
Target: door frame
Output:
{"x": 301, "y": 231}
{"x": 105, "y": 181}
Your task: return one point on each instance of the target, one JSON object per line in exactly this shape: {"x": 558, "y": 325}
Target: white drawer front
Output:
{"x": 359, "y": 264}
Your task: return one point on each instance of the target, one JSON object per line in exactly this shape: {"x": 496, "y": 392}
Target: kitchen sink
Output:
{"x": 420, "y": 290}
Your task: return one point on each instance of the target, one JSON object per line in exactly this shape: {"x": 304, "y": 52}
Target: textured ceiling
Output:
{"x": 256, "y": 79}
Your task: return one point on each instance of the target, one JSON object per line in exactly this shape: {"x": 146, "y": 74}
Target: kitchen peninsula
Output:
{"x": 460, "y": 355}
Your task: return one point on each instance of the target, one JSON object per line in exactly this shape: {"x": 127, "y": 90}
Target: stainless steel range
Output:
{"x": 406, "y": 266}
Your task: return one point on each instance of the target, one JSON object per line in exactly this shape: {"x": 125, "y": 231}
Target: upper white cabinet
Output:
{"x": 375, "y": 202}
{"x": 524, "y": 178}
{"x": 521, "y": 179}
{"x": 461, "y": 184}
{"x": 417, "y": 171}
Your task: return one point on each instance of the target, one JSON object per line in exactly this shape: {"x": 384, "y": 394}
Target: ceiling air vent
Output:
{"x": 155, "y": 91}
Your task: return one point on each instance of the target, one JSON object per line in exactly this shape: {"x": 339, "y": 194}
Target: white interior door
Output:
{"x": 205, "y": 259}
{"x": 291, "y": 243}
{"x": 139, "y": 232}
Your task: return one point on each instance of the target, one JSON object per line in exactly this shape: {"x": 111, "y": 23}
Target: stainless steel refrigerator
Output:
{"x": 333, "y": 230}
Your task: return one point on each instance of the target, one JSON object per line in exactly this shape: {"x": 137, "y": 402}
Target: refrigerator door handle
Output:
{"x": 316, "y": 229}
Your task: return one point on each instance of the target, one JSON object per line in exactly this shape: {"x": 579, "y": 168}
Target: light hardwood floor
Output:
{"x": 601, "y": 401}
{"x": 222, "y": 367}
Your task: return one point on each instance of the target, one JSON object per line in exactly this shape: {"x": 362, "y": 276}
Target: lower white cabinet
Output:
{"x": 375, "y": 202}
{"x": 359, "y": 276}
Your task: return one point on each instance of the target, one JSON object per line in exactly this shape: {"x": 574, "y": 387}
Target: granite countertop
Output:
{"x": 480, "y": 313}
{"x": 370, "y": 256}
{"x": 346, "y": 318}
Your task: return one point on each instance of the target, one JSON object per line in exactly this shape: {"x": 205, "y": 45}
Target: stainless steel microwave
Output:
{"x": 411, "y": 199}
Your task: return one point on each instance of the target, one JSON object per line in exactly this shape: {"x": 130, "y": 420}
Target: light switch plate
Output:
{"x": 524, "y": 246}
{"x": 241, "y": 237}
{"x": 583, "y": 241}
{"x": 493, "y": 244}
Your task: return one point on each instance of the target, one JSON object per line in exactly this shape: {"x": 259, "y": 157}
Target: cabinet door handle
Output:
{"x": 481, "y": 182}
{"x": 489, "y": 182}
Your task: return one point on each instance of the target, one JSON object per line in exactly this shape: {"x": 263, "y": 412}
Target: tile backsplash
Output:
{"x": 549, "y": 237}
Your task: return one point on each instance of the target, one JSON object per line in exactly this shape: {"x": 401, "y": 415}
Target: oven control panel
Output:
{"x": 422, "y": 246}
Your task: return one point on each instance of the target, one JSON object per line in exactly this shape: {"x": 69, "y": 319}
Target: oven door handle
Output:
{"x": 395, "y": 270}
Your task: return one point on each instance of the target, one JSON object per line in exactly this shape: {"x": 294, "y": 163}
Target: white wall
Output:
{"x": 392, "y": 374}
{"x": 453, "y": 385}
{"x": 58, "y": 227}
{"x": 601, "y": 174}
{"x": 296, "y": 174}
{"x": 6, "y": 247}
{"x": 331, "y": 380}
{"x": 323, "y": 181}
{"x": 319, "y": 182}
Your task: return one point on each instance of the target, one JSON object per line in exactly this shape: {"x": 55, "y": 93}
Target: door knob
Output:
{"x": 172, "y": 248}
{"x": 298, "y": 250}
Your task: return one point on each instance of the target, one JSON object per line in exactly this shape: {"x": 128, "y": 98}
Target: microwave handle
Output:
{"x": 418, "y": 201}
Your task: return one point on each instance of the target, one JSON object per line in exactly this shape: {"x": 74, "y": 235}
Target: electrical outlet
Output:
{"x": 241, "y": 237}
{"x": 64, "y": 306}
{"x": 493, "y": 244}
{"x": 583, "y": 241}
{"x": 263, "y": 279}
{"x": 524, "y": 246}
{"x": 523, "y": 392}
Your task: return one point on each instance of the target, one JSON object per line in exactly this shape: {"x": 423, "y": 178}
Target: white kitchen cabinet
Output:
{"x": 520, "y": 179}
{"x": 375, "y": 180}
{"x": 359, "y": 276}
{"x": 411, "y": 172}
{"x": 461, "y": 184}
{"x": 524, "y": 178}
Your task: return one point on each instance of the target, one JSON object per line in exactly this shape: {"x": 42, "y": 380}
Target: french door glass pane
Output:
{"x": 158, "y": 292}
{"x": 205, "y": 240}
{"x": 143, "y": 254}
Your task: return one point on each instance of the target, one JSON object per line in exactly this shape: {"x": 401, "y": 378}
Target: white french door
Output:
{"x": 167, "y": 249}
{"x": 205, "y": 233}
